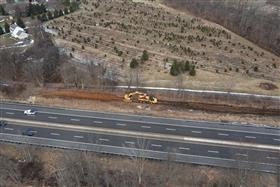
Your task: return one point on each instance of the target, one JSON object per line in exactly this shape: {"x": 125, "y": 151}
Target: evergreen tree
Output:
{"x": 39, "y": 17}
{"x": 56, "y": 14}
{"x": 1, "y": 31}
{"x": 192, "y": 71}
{"x": 60, "y": 13}
{"x": 145, "y": 56}
{"x": 7, "y": 27}
{"x": 66, "y": 10}
{"x": 187, "y": 66}
{"x": 2, "y": 10}
{"x": 44, "y": 17}
{"x": 134, "y": 63}
{"x": 20, "y": 23}
{"x": 175, "y": 68}
{"x": 50, "y": 16}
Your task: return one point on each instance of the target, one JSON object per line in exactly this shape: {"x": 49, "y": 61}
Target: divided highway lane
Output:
{"x": 268, "y": 137}
{"x": 208, "y": 151}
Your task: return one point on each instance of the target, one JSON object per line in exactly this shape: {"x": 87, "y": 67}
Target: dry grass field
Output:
{"x": 117, "y": 31}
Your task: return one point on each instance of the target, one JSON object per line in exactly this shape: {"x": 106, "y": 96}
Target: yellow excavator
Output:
{"x": 140, "y": 97}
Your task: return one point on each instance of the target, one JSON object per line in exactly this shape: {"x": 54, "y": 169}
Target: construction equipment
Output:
{"x": 140, "y": 97}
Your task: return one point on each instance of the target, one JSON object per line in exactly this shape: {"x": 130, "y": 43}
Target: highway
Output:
{"x": 162, "y": 130}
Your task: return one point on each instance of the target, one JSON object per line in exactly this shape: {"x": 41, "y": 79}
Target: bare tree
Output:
{"x": 138, "y": 155}
{"x": 72, "y": 74}
{"x": 33, "y": 71}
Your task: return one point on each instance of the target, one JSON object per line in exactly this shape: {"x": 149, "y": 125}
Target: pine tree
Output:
{"x": 134, "y": 63}
{"x": 60, "y": 13}
{"x": 187, "y": 66}
{"x": 175, "y": 68}
{"x": 192, "y": 71}
{"x": 145, "y": 56}
{"x": 20, "y": 23}
{"x": 66, "y": 10}
{"x": 1, "y": 31}
{"x": 7, "y": 27}
{"x": 44, "y": 17}
{"x": 56, "y": 14}
{"x": 2, "y": 10}
{"x": 50, "y": 15}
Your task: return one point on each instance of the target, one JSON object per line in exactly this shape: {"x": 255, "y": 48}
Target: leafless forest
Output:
{"x": 256, "y": 20}
{"x": 23, "y": 165}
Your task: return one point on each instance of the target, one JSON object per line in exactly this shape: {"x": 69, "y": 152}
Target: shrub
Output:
{"x": 192, "y": 71}
{"x": 145, "y": 56}
{"x": 187, "y": 66}
{"x": 134, "y": 63}
{"x": 176, "y": 68}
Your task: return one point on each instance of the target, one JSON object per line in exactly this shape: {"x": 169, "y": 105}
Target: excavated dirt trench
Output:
{"x": 206, "y": 106}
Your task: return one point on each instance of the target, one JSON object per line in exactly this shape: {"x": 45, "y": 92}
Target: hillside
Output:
{"x": 256, "y": 20}
{"x": 117, "y": 31}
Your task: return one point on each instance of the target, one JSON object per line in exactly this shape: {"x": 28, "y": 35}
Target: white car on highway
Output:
{"x": 30, "y": 112}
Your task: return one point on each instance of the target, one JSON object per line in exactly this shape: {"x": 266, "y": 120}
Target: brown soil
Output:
{"x": 74, "y": 94}
{"x": 171, "y": 111}
{"x": 180, "y": 103}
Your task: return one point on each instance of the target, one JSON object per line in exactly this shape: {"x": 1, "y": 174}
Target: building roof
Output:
{"x": 18, "y": 32}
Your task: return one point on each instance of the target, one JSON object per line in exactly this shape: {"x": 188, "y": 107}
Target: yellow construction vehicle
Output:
{"x": 140, "y": 97}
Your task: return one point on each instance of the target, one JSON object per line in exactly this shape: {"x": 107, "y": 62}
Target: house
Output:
{"x": 18, "y": 32}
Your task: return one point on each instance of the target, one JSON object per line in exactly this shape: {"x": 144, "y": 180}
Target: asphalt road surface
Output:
{"x": 209, "y": 154}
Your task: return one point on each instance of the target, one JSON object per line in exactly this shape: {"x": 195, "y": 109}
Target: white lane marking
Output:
{"x": 33, "y": 131}
{"x": 222, "y": 134}
{"x": 218, "y": 143}
{"x": 272, "y": 158}
{"x": 184, "y": 148}
{"x": 240, "y": 154}
{"x": 52, "y": 117}
{"x": 145, "y": 127}
{"x": 156, "y": 145}
{"x": 250, "y": 137}
{"x": 78, "y": 137}
{"x": 103, "y": 139}
{"x": 128, "y": 142}
{"x": 277, "y": 140}
{"x": 157, "y": 123}
{"x": 121, "y": 124}
{"x": 170, "y": 129}
{"x": 98, "y": 122}
{"x": 210, "y": 151}
{"x": 73, "y": 119}
{"x": 196, "y": 132}
{"x": 8, "y": 129}
{"x": 10, "y": 113}
{"x": 54, "y": 134}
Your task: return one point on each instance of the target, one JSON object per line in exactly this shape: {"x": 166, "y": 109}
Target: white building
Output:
{"x": 18, "y": 32}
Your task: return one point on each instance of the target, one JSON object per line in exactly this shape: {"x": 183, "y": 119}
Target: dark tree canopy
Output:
{"x": 134, "y": 63}
{"x": 20, "y": 22}
{"x": 7, "y": 27}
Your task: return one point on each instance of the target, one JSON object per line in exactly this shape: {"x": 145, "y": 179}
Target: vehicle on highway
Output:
{"x": 3, "y": 123}
{"x": 28, "y": 132}
{"x": 30, "y": 112}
